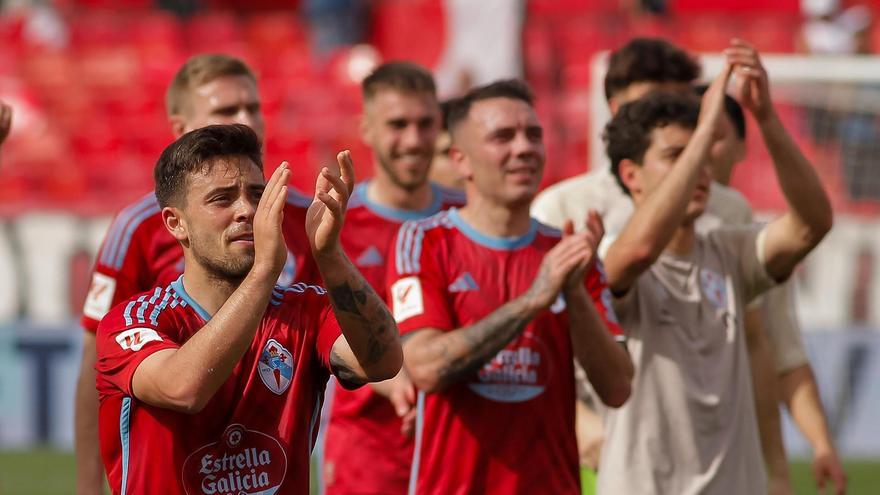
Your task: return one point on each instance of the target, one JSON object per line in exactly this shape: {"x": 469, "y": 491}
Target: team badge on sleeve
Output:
{"x": 276, "y": 366}
{"x": 100, "y": 296}
{"x": 134, "y": 339}
{"x": 407, "y": 300}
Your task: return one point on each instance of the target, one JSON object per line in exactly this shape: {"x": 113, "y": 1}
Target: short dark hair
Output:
{"x": 405, "y": 77}
{"x": 732, "y": 108}
{"x": 200, "y": 70}
{"x": 628, "y": 135}
{"x": 648, "y": 60}
{"x": 514, "y": 89}
{"x": 193, "y": 152}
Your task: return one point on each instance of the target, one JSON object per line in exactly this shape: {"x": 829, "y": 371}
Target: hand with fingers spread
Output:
{"x": 752, "y": 84}
{"x": 591, "y": 237}
{"x": 5, "y": 120}
{"x": 270, "y": 252}
{"x": 327, "y": 212}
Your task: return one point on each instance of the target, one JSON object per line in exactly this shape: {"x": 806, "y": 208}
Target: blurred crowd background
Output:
{"x": 87, "y": 79}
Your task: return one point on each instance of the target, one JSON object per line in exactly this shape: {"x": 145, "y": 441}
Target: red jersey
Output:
{"x": 364, "y": 451}
{"x": 254, "y": 436}
{"x": 139, "y": 253}
{"x": 508, "y": 428}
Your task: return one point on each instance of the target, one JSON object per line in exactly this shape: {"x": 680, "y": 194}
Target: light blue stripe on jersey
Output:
{"x": 417, "y": 451}
{"x": 125, "y": 438}
{"x": 130, "y": 307}
{"x": 395, "y": 214}
{"x": 154, "y": 316}
{"x": 129, "y": 233}
{"x": 498, "y": 243}
{"x": 119, "y": 227}
{"x": 146, "y": 304}
{"x": 177, "y": 285}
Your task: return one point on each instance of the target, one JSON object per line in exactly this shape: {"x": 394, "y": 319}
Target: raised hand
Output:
{"x": 712, "y": 104}
{"x": 752, "y": 84}
{"x": 5, "y": 120}
{"x": 327, "y": 212}
{"x": 591, "y": 237}
{"x": 270, "y": 252}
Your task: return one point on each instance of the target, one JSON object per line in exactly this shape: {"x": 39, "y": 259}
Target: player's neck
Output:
{"x": 208, "y": 291}
{"x": 682, "y": 243}
{"x": 381, "y": 190}
{"x": 496, "y": 220}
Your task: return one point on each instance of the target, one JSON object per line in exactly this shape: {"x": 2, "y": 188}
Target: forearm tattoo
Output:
{"x": 477, "y": 344}
{"x": 359, "y": 309}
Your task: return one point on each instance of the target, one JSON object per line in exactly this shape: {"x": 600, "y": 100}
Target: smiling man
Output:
{"x": 496, "y": 307}
{"x": 214, "y": 383}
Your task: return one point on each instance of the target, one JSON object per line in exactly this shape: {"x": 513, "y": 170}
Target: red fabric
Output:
{"x": 258, "y": 429}
{"x": 364, "y": 449}
{"x": 445, "y": 277}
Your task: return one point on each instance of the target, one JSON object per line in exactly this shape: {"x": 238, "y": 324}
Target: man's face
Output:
{"x": 728, "y": 150}
{"x": 401, "y": 128}
{"x": 639, "y": 89}
{"x": 667, "y": 144}
{"x": 224, "y": 100}
{"x": 217, "y": 218}
{"x": 499, "y": 149}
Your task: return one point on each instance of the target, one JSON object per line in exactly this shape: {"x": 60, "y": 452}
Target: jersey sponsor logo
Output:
{"x": 465, "y": 282}
{"x": 134, "y": 339}
{"x": 714, "y": 287}
{"x": 100, "y": 296}
{"x": 275, "y": 366}
{"x": 370, "y": 257}
{"x": 406, "y": 296}
{"x": 242, "y": 462}
{"x": 518, "y": 373}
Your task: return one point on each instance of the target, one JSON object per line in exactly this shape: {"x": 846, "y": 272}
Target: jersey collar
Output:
{"x": 177, "y": 285}
{"x": 498, "y": 243}
{"x": 395, "y": 214}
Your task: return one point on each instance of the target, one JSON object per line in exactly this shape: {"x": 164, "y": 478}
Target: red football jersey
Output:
{"x": 139, "y": 253}
{"x": 364, "y": 451}
{"x": 508, "y": 428}
{"x": 254, "y": 436}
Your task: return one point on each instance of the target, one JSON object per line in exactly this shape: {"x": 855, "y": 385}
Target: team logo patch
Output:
{"x": 518, "y": 373}
{"x": 714, "y": 288}
{"x": 134, "y": 339}
{"x": 242, "y": 462}
{"x": 100, "y": 296}
{"x": 276, "y": 366}
{"x": 465, "y": 282}
{"x": 407, "y": 300}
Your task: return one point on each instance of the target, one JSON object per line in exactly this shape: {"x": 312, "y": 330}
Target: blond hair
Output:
{"x": 199, "y": 70}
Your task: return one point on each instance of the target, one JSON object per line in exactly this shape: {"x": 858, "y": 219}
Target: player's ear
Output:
{"x": 178, "y": 125}
{"x": 175, "y": 223}
{"x": 613, "y": 105}
{"x": 631, "y": 176}
{"x": 460, "y": 162}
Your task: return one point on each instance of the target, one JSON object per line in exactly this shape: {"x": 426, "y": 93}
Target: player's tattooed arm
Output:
{"x": 436, "y": 360}
{"x": 370, "y": 347}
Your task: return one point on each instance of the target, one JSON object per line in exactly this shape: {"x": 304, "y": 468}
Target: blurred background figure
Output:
{"x": 831, "y": 29}
{"x": 442, "y": 170}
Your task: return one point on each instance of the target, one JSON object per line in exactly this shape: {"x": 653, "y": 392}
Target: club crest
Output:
{"x": 276, "y": 366}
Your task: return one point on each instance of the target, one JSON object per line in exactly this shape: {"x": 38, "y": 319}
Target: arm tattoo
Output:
{"x": 479, "y": 343}
{"x": 360, "y": 309}
{"x": 347, "y": 377}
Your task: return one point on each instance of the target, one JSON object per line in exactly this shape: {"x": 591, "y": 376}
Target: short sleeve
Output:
{"x": 130, "y": 333}
{"x": 109, "y": 286}
{"x": 597, "y": 285}
{"x": 328, "y": 333}
{"x": 783, "y": 328}
{"x": 744, "y": 248}
{"x": 416, "y": 287}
